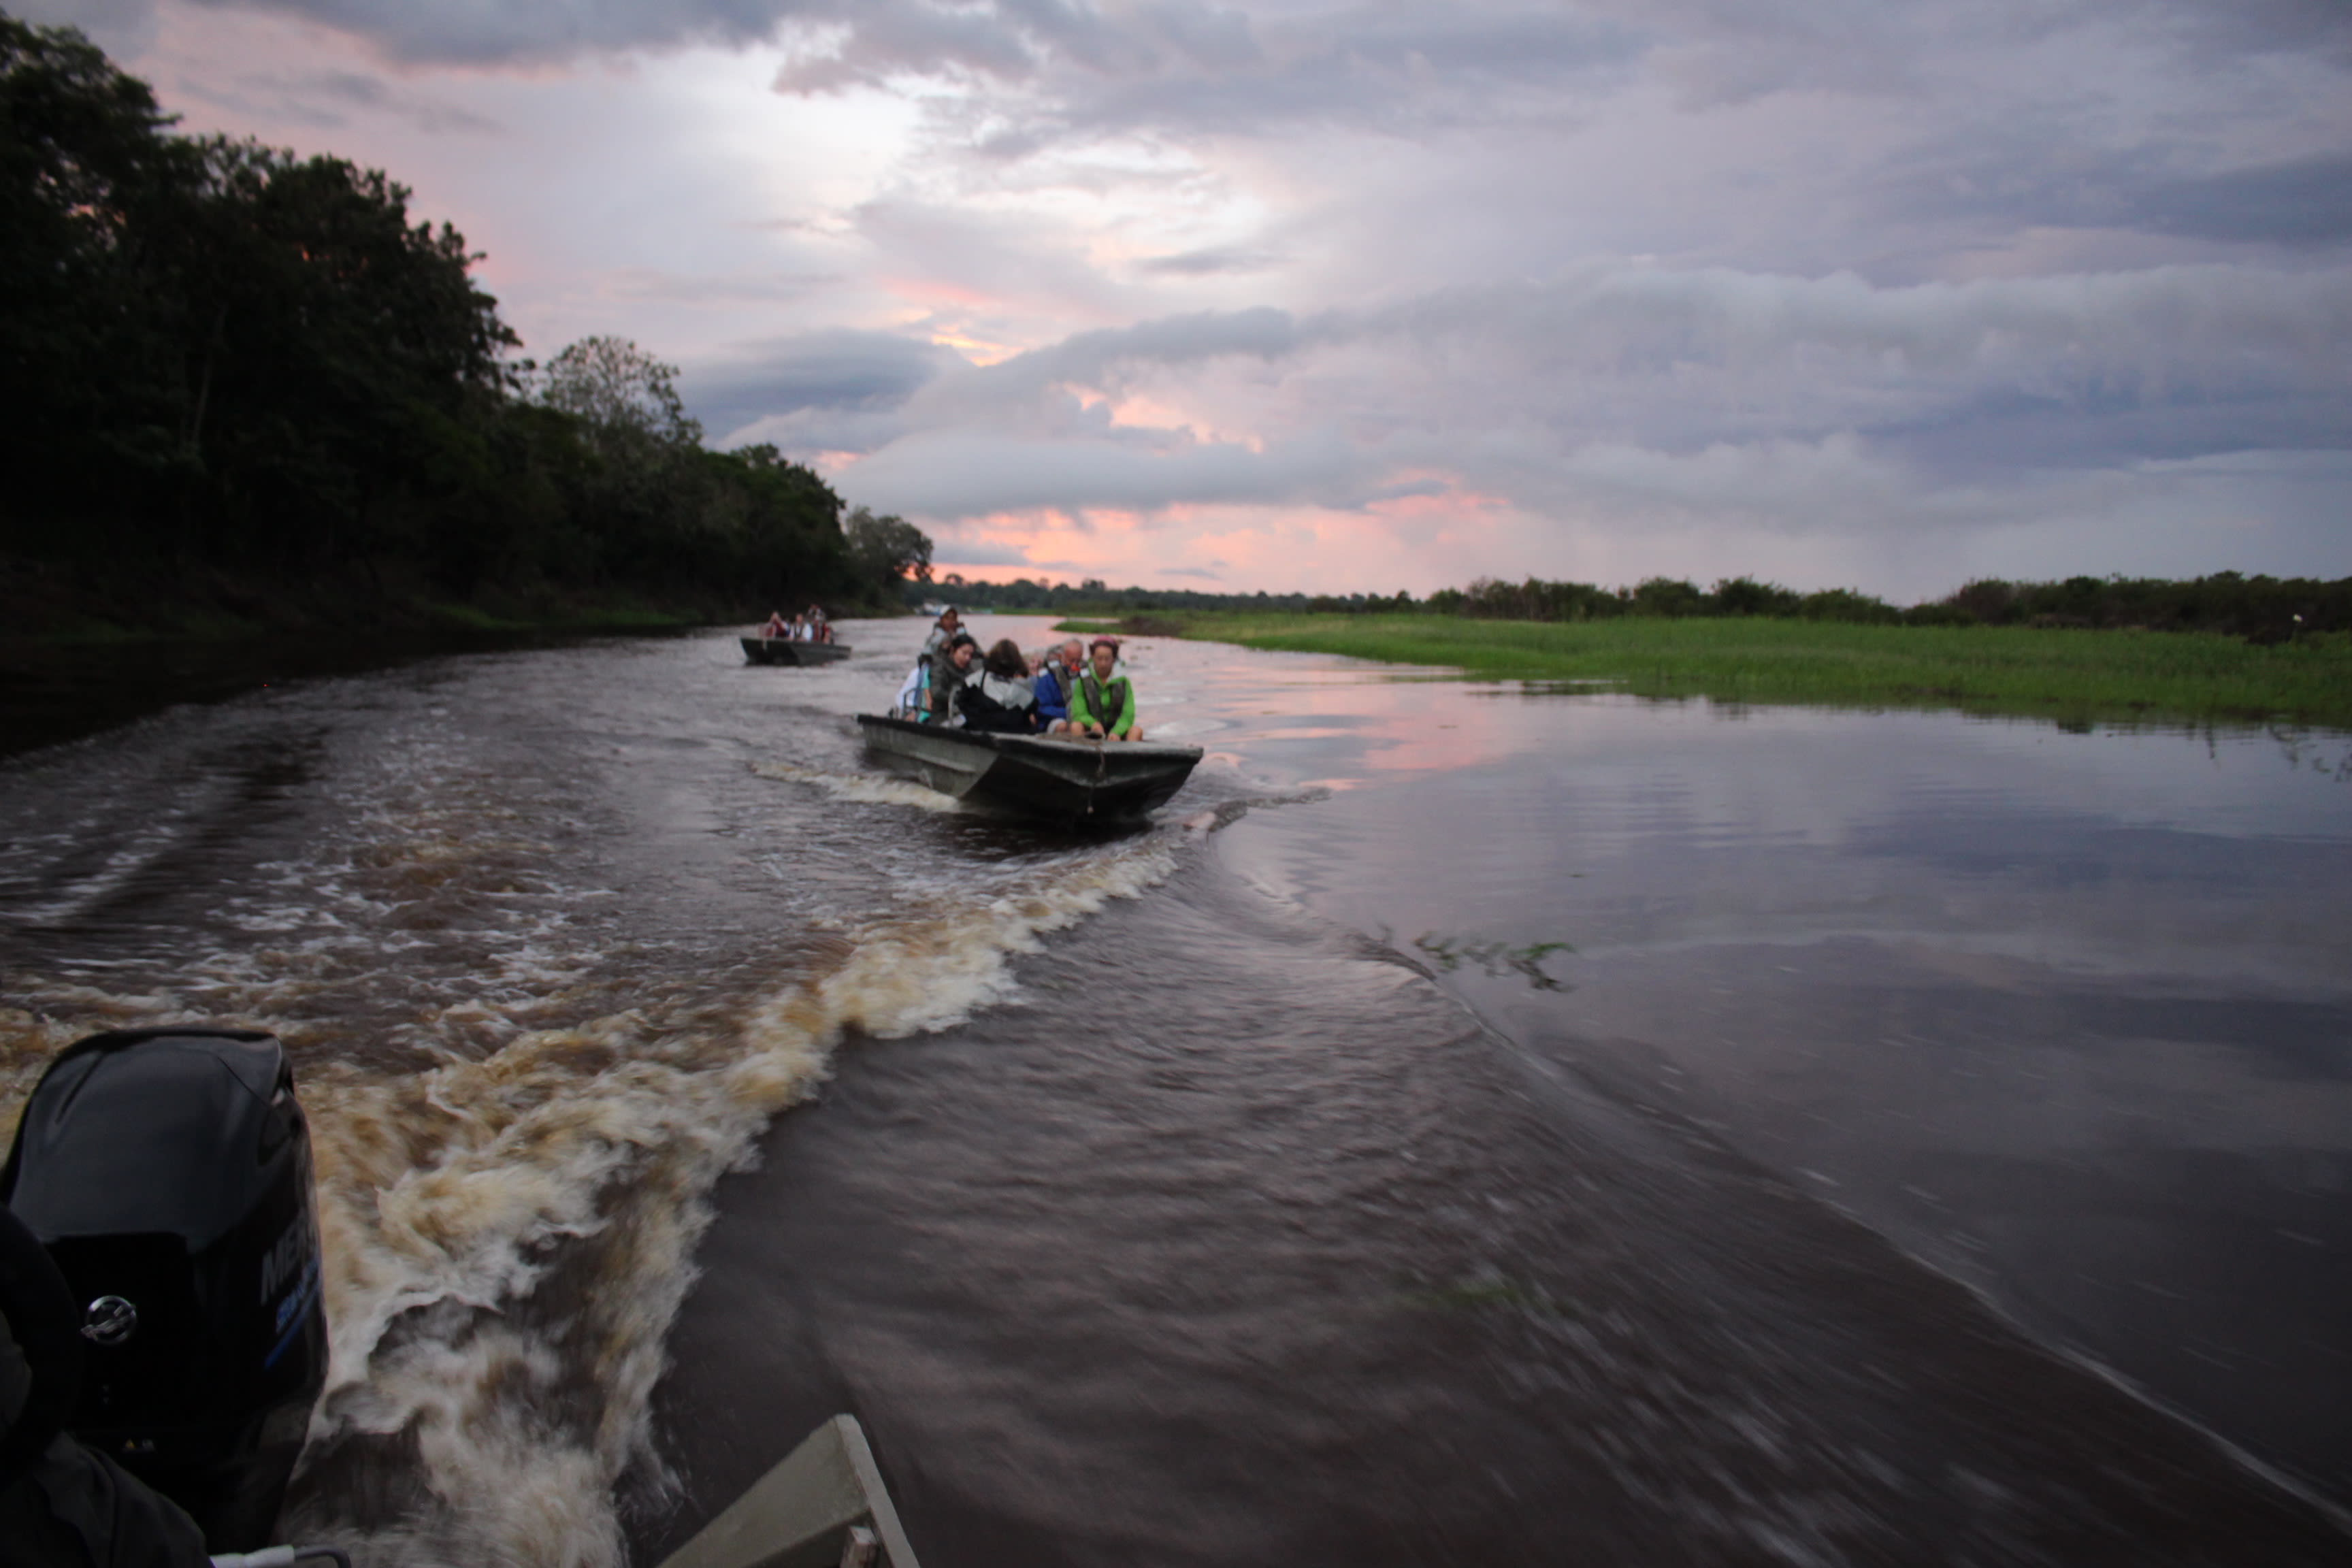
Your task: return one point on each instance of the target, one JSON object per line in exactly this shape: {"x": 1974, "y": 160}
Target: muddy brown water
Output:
{"x": 1466, "y": 1126}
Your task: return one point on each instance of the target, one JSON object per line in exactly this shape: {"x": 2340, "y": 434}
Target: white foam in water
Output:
{"x": 508, "y": 1238}
{"x": 864, "y": 788}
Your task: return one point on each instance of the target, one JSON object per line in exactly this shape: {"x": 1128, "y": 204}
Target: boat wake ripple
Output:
{"x": 866, "y": 788}
{"x": 508, "y": 1238}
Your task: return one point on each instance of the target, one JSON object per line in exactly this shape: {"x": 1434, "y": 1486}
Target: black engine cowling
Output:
{"x": 168, "y": 1173}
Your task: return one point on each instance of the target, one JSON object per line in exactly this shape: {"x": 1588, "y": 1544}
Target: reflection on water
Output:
{"x": 2070, "y": 1016}
{"x": 1341, "y": 1169}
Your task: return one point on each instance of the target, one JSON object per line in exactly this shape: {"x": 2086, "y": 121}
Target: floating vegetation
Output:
{"x": 1494, "y": 958}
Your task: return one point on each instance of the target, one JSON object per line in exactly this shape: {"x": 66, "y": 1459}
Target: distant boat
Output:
{"x": 1042, "y": 776}
{"x": 784, "y": 650}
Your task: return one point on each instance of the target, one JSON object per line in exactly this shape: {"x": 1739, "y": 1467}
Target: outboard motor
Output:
{"x": 168, "y": 1173}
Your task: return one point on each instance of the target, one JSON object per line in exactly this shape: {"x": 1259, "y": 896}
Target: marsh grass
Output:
{"x": 2072, "y": 677}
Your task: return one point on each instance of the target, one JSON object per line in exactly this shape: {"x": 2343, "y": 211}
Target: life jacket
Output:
{"x": 1105, "y": 702}
{"x": 946, "y": 684}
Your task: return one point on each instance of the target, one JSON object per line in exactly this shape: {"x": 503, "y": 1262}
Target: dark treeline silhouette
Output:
{"x": 2263, "y": 608}
{"x": 223, "y": 361}
{"x": 1093, "y": 594}
{"x": 2267, "y": 609}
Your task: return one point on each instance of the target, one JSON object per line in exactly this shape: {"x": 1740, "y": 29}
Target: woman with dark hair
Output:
{"x": 957, "y": 664}
{"x": 1002, "y": 700}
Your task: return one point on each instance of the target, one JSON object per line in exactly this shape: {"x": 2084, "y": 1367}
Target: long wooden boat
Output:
{"x": 1034, "y": 775}
{"x": 784, "y": 650}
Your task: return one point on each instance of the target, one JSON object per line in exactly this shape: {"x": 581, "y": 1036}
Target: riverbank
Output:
{"x": 85, "y": 646}
{"x": 2067, "y": 676}
{"x": 65, "y": 686}
{"x": 64, "y": 605}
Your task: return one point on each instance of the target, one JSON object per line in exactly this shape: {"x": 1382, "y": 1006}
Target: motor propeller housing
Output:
{"x": 167, "y": 1171}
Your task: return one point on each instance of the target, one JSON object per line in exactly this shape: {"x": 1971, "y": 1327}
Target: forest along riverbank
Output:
{"x": 1160, "y": 1208}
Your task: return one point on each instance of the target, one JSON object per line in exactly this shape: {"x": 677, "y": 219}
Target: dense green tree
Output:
{"x": 1746, "y": 596}
{"x": 86, "y": 381}
{"x": 886, "y": 551}
{"x": 337, "y": 354}
{"x": 619, "y": 388}
{"x": 219, "y": 354}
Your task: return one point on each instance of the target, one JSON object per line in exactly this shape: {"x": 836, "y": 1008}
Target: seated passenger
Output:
{"x": 950, "y": 672}
{"x": 915, "y": 692}
{"x": 1103, "y": 706}
{"x": 1057, "y": 677}
{"x": 820, "y": 628}
{"x": 949, "y": 626}
{"x": 775, "y": 625}
{"x": 1001, "y": 701}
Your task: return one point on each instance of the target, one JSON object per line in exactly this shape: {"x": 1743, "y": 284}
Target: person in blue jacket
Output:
{"x": 1055, "y": 681}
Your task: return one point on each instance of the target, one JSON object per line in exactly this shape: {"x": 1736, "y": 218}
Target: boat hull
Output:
{"x": 784, "y": 650}
{"x": 1034, "y": 775}
{"x": 826, "y": 1504}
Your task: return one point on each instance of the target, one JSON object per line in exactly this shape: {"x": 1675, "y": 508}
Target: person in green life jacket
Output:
{"x": 1102, "y": 707}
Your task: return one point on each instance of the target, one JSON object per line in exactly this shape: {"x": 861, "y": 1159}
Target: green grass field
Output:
{"x": 2073, "y": 676}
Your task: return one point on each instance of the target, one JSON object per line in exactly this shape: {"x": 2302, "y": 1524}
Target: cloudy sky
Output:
{"x": 1294, "y": 294}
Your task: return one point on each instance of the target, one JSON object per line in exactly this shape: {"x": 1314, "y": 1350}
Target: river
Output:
{"x": 1474, "y": 1124}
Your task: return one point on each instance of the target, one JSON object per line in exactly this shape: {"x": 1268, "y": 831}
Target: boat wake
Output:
{"x": 864, "y": 788}
{"x": 508, "y": 1238}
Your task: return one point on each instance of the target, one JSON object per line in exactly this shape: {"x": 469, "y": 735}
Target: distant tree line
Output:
{"x": 217, "y": 355}
{"x": 2264, "y": 608}
{"x": 1094, "y": 594}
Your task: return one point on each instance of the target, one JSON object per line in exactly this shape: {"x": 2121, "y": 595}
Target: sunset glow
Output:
{"x": 1285, "y": 297}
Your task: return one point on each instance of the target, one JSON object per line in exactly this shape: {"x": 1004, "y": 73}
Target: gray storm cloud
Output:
{"x": 1208, "y": 61}
{"x": 1190, "y": 65}
{"x": 495, "y": 31}
{"x": 835, "y": 374}
{"x": 1775, "y": 266}
{"x": 950, "y": 475}
{"x": 1809, "y": 399}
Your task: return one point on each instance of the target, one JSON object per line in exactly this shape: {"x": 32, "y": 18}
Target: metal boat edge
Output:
{"x": 1034, "y": 775}
{"x": 822, "y": 1506}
